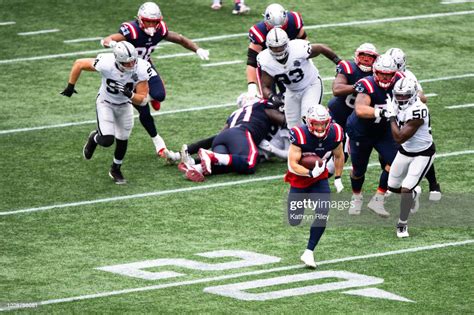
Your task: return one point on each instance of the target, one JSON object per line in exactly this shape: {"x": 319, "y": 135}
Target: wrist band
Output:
{"x": 337, "y": 177}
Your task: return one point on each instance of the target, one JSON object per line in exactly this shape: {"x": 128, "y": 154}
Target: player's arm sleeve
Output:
{"x": 128, "y": 31}
{"x": 252, "y": 57}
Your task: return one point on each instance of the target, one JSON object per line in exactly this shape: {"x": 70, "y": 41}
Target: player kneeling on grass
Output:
{"x": 124, "y": 81}
{"x": 319, "y": 138}
{"x": 410, "y": 124}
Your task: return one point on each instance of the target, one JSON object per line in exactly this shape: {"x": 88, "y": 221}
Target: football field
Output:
{"x": 72, "y": 241}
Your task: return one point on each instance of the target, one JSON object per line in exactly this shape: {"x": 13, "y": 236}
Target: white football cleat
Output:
{"x": 216, "y": 5}
{"x": 243, "y": 9}
{"x": 172, "y": 156}
{"x": 192, "y": 173}
{"x": 435, "y": 194}
{"x": 185, "y": 157}
{"x": 402, "y": 231}
{"x": 416, "y": 203}
{"x": 206, "y": 157}
{"x": 356, "y": 204}
{"x": 376, "y": 204}
{"x": 308, "y": 258}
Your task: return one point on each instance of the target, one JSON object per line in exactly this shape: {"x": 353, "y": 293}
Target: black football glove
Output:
{"x": 125, "y": 90}
{"x": 69, "y": 90}
{"x": 276, "y": 100}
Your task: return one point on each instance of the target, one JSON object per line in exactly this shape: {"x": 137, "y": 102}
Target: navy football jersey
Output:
{"x": 371, "y": 127}
{"x": 252, "y": 118}
{"x": 258, "y": 32}
{"x": 144, "y": 43}
{"x": 310, "y": 144}
{"x": 353, "y": 74}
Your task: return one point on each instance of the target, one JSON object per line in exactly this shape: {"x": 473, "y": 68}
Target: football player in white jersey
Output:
{"x": 400, "y": 59}
{"x": 289, "y": 62}
{"x": 124, "y": 81}
{"x": 410, "y": 124}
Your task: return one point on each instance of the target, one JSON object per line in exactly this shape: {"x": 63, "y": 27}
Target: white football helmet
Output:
{"x": 318, "y": 120}
{"x": 149, "y": 13}
{"x": 275, "y": 15}
{"x": 405, "y": 92}
{"x": 125, "y": 56}
{"x": 277, "y": 43}
{"x": 399, "y": 56}
{"x": 365, "y": 62}
{"x": 384, "y": 70}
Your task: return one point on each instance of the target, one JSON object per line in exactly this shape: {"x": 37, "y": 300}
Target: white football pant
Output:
{"x": 298, "y": 102}
{"x": 115, "y": 120}
{"x": 407, "y": 171}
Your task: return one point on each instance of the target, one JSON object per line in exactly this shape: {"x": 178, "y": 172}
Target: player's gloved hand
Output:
{"x": 203, "y": 54}
{"x": 392, "y": 108}
{"x": 125, "y": 90}
{"x": 69, "y": 90}
{"x": 338, "y": 184}
{"x": 276, "y": 100}
{"x": 317, "y": 170}
{"x": 111, "y": 44}
{"x": 265, "y": 145}
{"x": 381, "y": 112}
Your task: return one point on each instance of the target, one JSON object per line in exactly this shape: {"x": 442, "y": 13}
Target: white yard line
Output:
{"x": 181, "y": 190}
{"x": 80, "y": 40}
{"x": 38, "y": 32}
{"x": 456, "y": 1}
{"x": 9, "y": 131}
{"x": 233, "y": 276}
{"x": 221, "y": 37}
{"x": 459, "y": 106}
{"x": 76, "y": 53}
{"x": 7, "y": 23}
{"x": 223, "y": 63}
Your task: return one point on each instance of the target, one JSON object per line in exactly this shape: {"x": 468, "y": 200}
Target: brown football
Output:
{"x": 309, "y": 161}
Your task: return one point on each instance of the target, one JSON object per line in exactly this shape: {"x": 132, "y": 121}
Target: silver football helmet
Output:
{"x": 318, "y": 120}
{"x": 275, "y": 15}
{"x": 399, "y": 56}
{"x": 125, "y": 56}
{"x": 405, "y": 92}
{"x": 277, "y": 43}
{"x": 361, "y": 59}
{"x": 149, "y": 17}
{"x": 384, "y": 70}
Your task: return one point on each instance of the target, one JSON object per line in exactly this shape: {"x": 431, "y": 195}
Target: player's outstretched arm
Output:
{"x": 140, "y": 94}
{"x": 111, "y": 40}
{"x": 79, "y": 65}
{"x": 188, "y": 44}
{"x": 340, "y": 87}
{"x": 320, "y": 49}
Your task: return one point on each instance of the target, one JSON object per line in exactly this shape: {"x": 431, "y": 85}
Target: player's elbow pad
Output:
{"x": 252, "y": 58}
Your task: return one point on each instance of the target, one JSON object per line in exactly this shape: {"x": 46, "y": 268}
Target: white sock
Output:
{"x": 119, "y": 162}
{"x": 159, "y": 143}
{"x": 216, "y": 2}
{"x": 222, "y": 159}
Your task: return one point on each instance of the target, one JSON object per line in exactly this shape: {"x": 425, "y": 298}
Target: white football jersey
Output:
{"x": 105, "y": 64}
{"x": 298, "y": 72}
{"x": 422, "y": 138}
{"x": 410, "y": 75}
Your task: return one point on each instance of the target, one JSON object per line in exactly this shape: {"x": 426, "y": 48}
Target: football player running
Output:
{"x": 400, "y": 59}
{"x": 289, "y": 62}
{"x": 124, "y": 82}
{"x": 322, "y": 137}
{"x": 368, "y": 129}
{"x": 275, "y": 16}
{"x": 145, "y": 33}
{"x": 410, "y": 126}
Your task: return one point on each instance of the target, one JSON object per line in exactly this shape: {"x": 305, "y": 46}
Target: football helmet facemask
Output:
{"x": 125, "y": 56}
{"x": 149, "y": 17}
{"x": 384, "y": 71}
{"x": 275, "y": 15}
{"x": 277, "y": 42}
{"x": 365, "y": 56}
{"x": 405, "y": 92}
{"x": 399, "y": 56}
{"x": 318, "y": 120}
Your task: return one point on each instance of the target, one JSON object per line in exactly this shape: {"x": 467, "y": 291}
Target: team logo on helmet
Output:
{"x": 275, "y": 15}
{"x": 318, "y": 120}
{"x": 277, "y": 42}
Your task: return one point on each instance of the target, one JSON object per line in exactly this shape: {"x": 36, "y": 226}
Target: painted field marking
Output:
{"x": 456, "y": 1}
{"x": 223, "y": 63}
{"x": 7, "y": 23}
{"x": 191, "y": 109}
{"x": 233, "y": 276}
{"x": 220, "y": 37}
{"x": 181, "y": 190}
{"x": 80, "y": 40}
{"x": 76, "y": 53}
{"x": 459, "y": 106}
{"x": 39, "y": 32}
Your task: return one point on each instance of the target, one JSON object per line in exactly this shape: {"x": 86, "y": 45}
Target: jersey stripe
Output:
{"x": 300, "y": 135}
{"x": 368, "y": 85}
{"x": 132, "y": 29}
{"x": 164, "y": 29}
{"x": 347, "y": 66}
{"x": 256, "y": 32}
{"x": 339, "y": 132}
{"x": 253, "y": 151}
{"x": 297, "y": 20}
{"x": 259, "y": 80}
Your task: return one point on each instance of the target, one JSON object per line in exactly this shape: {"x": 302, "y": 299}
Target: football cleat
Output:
{"x": 185, "y": 157}
{"x": 376, "y": 204}
{"x": 192, "y": 173}
{"x": 416, "y": 201}
{"x": 90, "y": 146}
{"x": 402, "y": 231}
{"x": 356, "y": 204}
{"x": 117, "y": 175}
{"x": 171, "y": 156}
{"x": 308, "y": 258}
{"x": 240, "y": 9}
{"x": 435, "y": 193}
{"x": 216, "y": 5}
{"x": 155, "y": 104}
{"x": 207, "y": 159}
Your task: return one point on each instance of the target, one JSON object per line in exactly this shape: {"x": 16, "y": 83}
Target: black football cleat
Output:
{"x": 117, "y": 175}
{"x": 90, "y": 146}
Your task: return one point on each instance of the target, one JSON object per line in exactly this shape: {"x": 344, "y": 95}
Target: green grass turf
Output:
{"x": 52, "y": 254}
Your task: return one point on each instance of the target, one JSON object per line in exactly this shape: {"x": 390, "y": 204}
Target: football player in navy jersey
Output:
{"x": 145, "y": 33}
{"x": 368, "y": 128}
{"x": 235, "y": 148}
{"x": 275, "y": 16}
{"x": 323, "y": 138}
